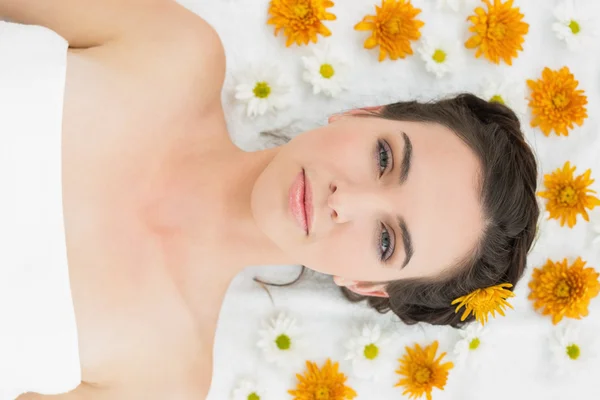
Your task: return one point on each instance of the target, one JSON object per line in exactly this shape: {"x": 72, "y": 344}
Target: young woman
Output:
{"x": 407, "y": 205}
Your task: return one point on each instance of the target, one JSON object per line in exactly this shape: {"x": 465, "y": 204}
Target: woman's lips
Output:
{"x": 308, "y": 203}
{"x": 298, "y": 203}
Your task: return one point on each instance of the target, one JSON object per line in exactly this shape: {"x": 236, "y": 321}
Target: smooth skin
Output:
{"x": 162, "y": 210}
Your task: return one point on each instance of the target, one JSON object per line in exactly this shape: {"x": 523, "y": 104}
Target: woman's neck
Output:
{"x": 209, "y": 208}
{"x": 247, "y": 243}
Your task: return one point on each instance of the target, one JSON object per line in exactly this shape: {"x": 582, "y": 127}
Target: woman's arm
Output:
{"x": 83, "y": 23}
{"x": 160, "y": 37}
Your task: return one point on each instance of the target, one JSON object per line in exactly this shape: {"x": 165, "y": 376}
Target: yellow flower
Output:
{"x": 393, "y": 26}
{"x": 555, "y": 102}
{"x": 422, "y": 371}
{"x": 325, "y": 383}
{"x": 300, "y": 20}
{"x": 498, "y": 33}
{"x": 563, "y": 291}
{"x": 483, "y": 301}
{"x": 568, "y": 197}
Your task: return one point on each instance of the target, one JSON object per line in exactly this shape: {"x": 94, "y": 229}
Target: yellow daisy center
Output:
{"x": 253, "y": 396}
{"x": 575, "y": 28}
{"x": 322, "y": 393}
{"x": 439, "y": 56}
{"x": 568, "y": 196}
{"x": 392, "y": 26}
{"x": 326, "y": 71}
{"x": 573, "y": 351}
{"x": 496, "y": 31}
{"x": 371, "y": 351}
{"x": 560, "y": 100}
{"x": 300, "y": 10}
{"x": 497, "y": 98}
{"x": 562, "y": 289}
{"x": 474, "y": 344}
{"x": 262, "y": 90}
{"x": 283, "y": 342}
{"x": 422, "y": 375}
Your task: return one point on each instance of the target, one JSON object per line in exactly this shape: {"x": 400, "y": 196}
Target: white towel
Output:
{"x": 38, "y": 334}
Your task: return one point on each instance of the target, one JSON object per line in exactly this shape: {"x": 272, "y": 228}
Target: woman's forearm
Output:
{"x": 84, "y": 23}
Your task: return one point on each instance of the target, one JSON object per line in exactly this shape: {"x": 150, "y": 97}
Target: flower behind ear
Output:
{"x": 481, "y": 302}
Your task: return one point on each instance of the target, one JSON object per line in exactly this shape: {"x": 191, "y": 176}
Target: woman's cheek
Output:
{"x": 351, "y": 257}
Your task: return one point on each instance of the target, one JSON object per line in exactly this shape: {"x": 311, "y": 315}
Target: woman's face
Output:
{"x": 389, "y": 199}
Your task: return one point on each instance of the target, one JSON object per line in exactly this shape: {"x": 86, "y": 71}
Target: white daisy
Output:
{"x": 572, "y": 352}
{"x": 280, "y": 340}
{"x": 263, "y": 89}
{"x": 367, "y": 350}
{"x": 326, "y": 71}
{"x": 439, "y": 55}
{"x": 247, "y": 390}
{"x": 472, "y": 338}
{"x": 508, "y": 91}
{"x": 573, "y": 25}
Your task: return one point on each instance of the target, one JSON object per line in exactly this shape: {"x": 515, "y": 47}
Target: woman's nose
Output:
{"x": 349, "y": 201}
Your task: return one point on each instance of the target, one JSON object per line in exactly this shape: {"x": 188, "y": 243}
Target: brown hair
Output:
{"x": 508, "y": 186}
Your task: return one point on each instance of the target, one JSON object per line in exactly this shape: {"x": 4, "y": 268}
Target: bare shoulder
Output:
{"x": 170, "y": 47}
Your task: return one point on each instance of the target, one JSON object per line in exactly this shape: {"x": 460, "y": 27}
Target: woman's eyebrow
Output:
{"x": 406, "y": 158}
{"x": 404, "y": 171}
{"x": 406, "y": 241}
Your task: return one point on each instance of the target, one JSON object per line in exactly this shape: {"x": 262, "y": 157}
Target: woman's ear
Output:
{"x": 356, "y": 111}
{"x": 373, "y": 289}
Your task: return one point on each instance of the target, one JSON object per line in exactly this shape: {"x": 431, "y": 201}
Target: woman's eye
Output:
{"x": 385, "y": 244}
{"x": 383, "y": 156}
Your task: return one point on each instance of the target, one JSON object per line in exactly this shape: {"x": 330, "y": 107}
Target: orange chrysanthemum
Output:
{"x": 562, "y": 291}
{"x": 568, "y": 197}
{"x": 324, "y": 383}
{"x": 556, "y": 103}
{"x": 300, "y": 20}
{"x": 422, "y": 371}
{"x": 481, "y": 302}
{"x": 394, "y": 26}
{"x": 498, "y": 33}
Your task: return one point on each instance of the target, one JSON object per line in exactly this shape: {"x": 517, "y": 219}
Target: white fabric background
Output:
{"x": 514, "y": 357}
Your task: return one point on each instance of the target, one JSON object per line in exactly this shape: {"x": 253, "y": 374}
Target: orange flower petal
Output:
{"x": 300, "y": 20}
{"x": 421, "y": 371}
{"x": 563, "y": 291}
{"x": 498, "y": 32}
{"x": 393, "y": 28}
